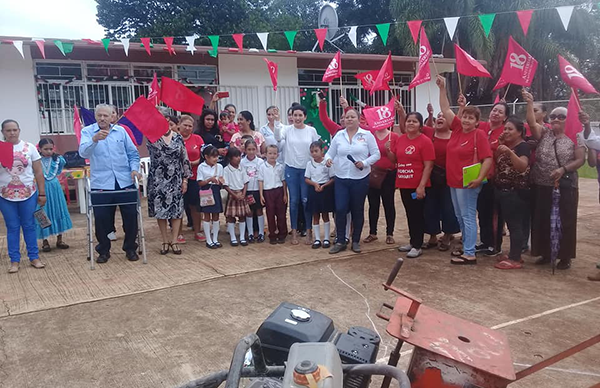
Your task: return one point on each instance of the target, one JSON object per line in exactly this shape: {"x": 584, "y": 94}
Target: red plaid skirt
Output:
{"x": 236, "y": 207}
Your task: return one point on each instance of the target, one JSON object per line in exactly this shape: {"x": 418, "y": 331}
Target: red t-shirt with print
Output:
{"x": 494, "y": 140}
{"x": 193, "y": 146}
{"x": 461, "y": 150}
{"x": 411, "y": 155}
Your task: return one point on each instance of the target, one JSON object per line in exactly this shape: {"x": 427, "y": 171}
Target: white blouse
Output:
{"x": 363, "y": 148}
{"x": 295, "y": 143}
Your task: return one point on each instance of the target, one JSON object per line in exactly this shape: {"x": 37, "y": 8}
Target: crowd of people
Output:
{"x": 455, "y": 172}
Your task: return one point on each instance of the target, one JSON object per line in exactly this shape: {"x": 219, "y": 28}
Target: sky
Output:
{"x": 61, "y": 19}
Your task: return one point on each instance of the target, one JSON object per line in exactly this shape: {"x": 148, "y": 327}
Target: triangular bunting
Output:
{"x": 239, "y": 40}
{"x": 352, "y": 35}
{"x": 169, "y": 42}
{"x": 321, "y": 33}
{"x": 191, "y": 43}
{"x": 290, "y": 36}
{"x": 414, "y": 26}
{"x": 384, "y": 31}
{"x": 105, "y": 43}
{"x": 40, "y": 44}
{"x": 525, "y": 19}
{"x": 19, "y": 46}
{"x": 486, "y": 21}
{"x": 214, "y": 41}
{"x": 451, "y": 24}
{"x": 125, "y": 43}
{"x": 146, "y": 44}
{"x": 264, "y": 37}
{"x": 565, "y": 14}
{"x": 65, "y": 48}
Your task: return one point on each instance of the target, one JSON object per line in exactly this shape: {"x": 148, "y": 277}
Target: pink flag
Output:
{"x": 467, "y": 65}
{"x": 40, "y": 45}
{"x": 414, "y": 26}
{"x": 497, "y": 99}
{"x": 273, "y": 69}
{"x": 385, "y": 75}
{"x": 525, "y": 19}
{"x": 6, "y": 154}
{"x": 381, "y": 117}
{"x": 368, "y": 79}
{"x": 169, "y": 42}
{"x": 519, "y": 66}
{"x": 574, "y": 78}
{"x": 76, "y": 123}
{"x": 239, "y": 40}
{"x": 147, "y": 119}
{"x": 146, "y": 43}
{"x": 424, "y": 73}
{"x": 572, "y": 124}
{"x": 321, "y": 33}
{"x": 334, "y": 70}
{"x": 154, "y": 92}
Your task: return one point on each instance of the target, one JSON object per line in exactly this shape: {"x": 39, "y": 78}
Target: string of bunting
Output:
{"x": 383, "y": 30}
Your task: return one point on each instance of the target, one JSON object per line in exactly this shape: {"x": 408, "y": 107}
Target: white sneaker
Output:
{"x": 112, "y": 236}
{"x": 414, "y": 253}
{"x": 405, "y": 248}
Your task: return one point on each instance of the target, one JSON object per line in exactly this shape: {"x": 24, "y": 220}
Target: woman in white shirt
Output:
{"x": 352, "y": 152}
{"x": 295, "y": 140}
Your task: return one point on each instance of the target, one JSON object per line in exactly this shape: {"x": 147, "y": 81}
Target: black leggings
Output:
{"x": 384, "y": 194}
{"x": 415, "y": 215}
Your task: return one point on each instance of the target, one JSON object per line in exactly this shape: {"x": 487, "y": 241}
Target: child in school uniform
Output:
{"x": 236, "y": 184}
{"x": 210, "y": 179}
{"x": 250, "y": 164}
{"x": 319, "y": 179}
{"x": 273, "y": 194}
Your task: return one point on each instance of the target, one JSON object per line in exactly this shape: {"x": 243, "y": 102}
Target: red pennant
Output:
{"x": 76, "y": 123}
{"x": 334, "y": 70}
{"x": 6, "y": 154}
{"x": 467, "y": 65}
{"x": 525, "y": 19}
{"x": 414, "y": 26}
{"x": 572, "y": 124}
{"x": 385, "y": 75}
{"x": 321, "y": 33}
{"x": 273, "y": 69}
{"x": 381, "y": 117}
{"x": 93, "y": 42}
{"x": 154, "y": 91}
{"x": 146, "y": 43}
{"x": 40, "y": 44}
{"x": 519, "y": 66}
{"x": 239, "y": 40}
{"x": 169, "y": 42}
{"x": 368, "y": 79}
{"x": 147, "y": 118}
{"x": 574, "y": 78}
{"x": 424, "y": 73}
{"x": 179, "y": 97}
{"x": 497, "y": 99}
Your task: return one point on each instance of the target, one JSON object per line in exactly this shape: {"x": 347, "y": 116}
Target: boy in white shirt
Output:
{"x": 273, "y": 194}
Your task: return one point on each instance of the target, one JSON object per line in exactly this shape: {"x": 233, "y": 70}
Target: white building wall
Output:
{"x": 247, "y": 80}
{"x": 429, "y": 90}
{"x": 18, "y": 99}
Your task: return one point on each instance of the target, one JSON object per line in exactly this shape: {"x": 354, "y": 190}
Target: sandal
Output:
{"x": 389, "y": 240}
{"x": 46, "y": 246}
{"x": 175, "y": 248}
{"x": 443, "y": 247}
{"x": 429, "y": 245}
{"x": 295, "y": 238}
{"x": 457, "y": 253}
{"x": 462, "y": 260}
{"x": 370, "y": 238}
{"x": 165, "y": 248}
{"x": 61, "y": 245}
{"x": 508, "y": 264}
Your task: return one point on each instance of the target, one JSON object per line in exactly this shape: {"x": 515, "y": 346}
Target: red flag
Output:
{"x": 147, "y": 118}
{"x": 414, "y": 26}
{"x": 381, "y": 117}
{"x": 76, "y": 123}
{"x": 334, "y": 70}
{"x": 6, "y": 154}
{"x": 179, "y": 97}
{"x": 93, "y": 42}
{"x": 146, "y": 43}
{"x": 368, "y": 79}
{"x": 424, "y": 73}
{"x": 525, "y": 19}
{"x": 574, "y": 78}
{"x": 572, "y": 124}
{"x": 497, "y": 99}
{"x": 321, "y": 33}
{"x": 467, "y": 65}
{"x": 273, "y": 68}
{"x": 519, "y": 66}
{"x": 169, "y": 42}
{"x": 40, "y": 45}
{"x": 154, "y": 92}
{"x": 385, "y": 75}
{"x": 239, "y": 40}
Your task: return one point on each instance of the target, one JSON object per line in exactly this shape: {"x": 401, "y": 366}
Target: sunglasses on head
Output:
{"x": 560, "y": 117}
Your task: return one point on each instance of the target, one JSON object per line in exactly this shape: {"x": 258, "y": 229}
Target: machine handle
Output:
{"x": 394, "y": 272}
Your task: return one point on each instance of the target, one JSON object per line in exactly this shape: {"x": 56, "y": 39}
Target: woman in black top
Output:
{"x": 208, "y": 129}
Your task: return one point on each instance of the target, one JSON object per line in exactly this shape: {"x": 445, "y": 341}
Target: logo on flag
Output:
{"x": 154, "y": 91}
{"x": 334, "y": 70}
{"x": 273, "y": 68}
{"x": 381, "y": 117}
{"x": 519, "y": 66}
{"x": 424, "y": 73}
{"x": 574, "y": 78}
{"x": 368, "y": 79}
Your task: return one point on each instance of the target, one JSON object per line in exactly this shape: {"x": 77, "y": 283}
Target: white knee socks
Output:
{"x": 206, "y": 226}
{"x": 261, "y": 225}
{"x": 231, "y": 230}
{"x": 250, "y": 226}
{"x": 242, "y": 226}
{"x": 215, "y": 231}
{"x": 327, "y": 227}
{"x": 316, "y": 232}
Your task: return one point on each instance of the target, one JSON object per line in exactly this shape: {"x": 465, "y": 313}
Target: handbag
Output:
{"x": 206, "y": 198}
{"x": 565, "y": 181}
{"x": 377, "y": 177}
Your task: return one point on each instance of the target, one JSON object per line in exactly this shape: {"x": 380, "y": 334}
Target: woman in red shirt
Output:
{"x": 467, "y": 146}
{"x": 191, "y": 198}
{"x": 413, "y": 155}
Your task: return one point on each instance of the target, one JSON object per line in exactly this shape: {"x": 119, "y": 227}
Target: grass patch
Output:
{"x": 587, "y": 172}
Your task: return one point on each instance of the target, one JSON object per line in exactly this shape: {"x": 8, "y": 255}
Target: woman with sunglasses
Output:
{"x": 557, "y": 159}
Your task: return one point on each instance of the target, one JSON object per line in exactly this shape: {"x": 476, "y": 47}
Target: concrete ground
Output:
{"x": 179, "y": 317}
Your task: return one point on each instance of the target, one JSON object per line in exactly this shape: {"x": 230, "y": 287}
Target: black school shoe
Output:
{"x": 316, "y": 244}
{"x": 260, "y": 238}
{"x": 272, "y": 241}
{"x": 326, "y": 244}
{"x": 281, "y": 240}
{"x": 132, "y": 256}
{"x": 103, "y": 258}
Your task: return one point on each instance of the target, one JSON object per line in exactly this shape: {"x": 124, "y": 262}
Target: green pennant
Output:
{"x": 65, "y": 48}
{"x": 214, "y": 40}
{"x": 290, "y": 35}
{"x": 68, "y": 47}
{"x": 486, "y": 21}
{"x": 384, "y": 30}
{"x": 105, "y": 43}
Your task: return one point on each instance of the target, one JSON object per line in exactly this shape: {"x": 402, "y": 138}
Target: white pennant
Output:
{"x": 125, "y": 43}
{"x": 352, "y": 35}
{"x": 565, "y": 14}
{"x": 190, "y": 41}
{"x": 451, "y": 24}
{"x": 19, "y": 46}
{"x": 263, "y": 36}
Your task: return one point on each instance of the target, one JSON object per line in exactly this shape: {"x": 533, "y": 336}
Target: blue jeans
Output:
{"x": 19, "y": 215}
{"x": 350, "y": 196}
{"x": 439, "y": 207}
{"x": 298, "y": 189}
{"x": 465, "y": 208}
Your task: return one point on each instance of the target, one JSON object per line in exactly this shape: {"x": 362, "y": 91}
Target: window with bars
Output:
{"x": 146, "y": 73}
{"x": 58, "y": 71}
{"x": 197, "y": 75}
